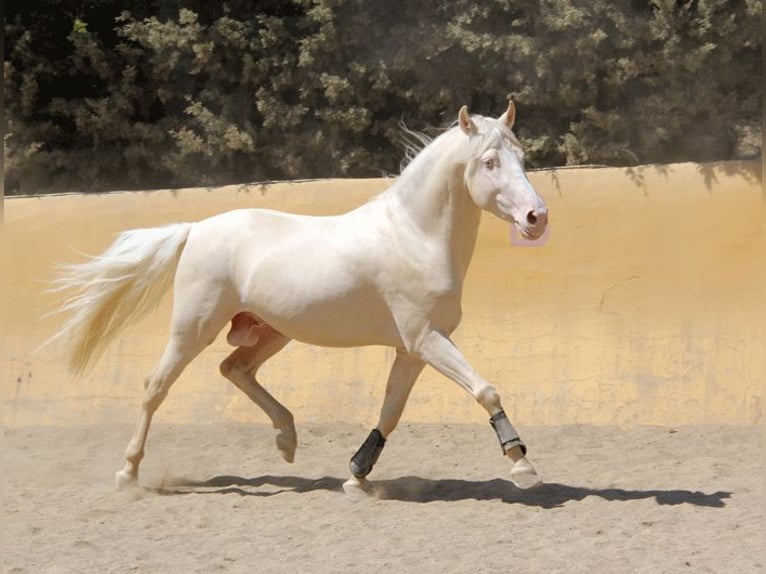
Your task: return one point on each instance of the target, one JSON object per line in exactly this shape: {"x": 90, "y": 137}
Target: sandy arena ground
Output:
{"x": 218, "y": 498}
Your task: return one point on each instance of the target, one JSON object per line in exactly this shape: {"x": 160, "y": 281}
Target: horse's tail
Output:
{"x": 116, "y": 288}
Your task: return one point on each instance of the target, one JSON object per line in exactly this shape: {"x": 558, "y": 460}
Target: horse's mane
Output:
{"x": 415, "y": 142}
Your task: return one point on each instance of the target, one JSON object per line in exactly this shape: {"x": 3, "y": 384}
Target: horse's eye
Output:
{"x": 489, "y": 163}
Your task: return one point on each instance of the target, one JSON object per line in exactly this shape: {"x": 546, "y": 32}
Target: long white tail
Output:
{"x": 116, "y": 288}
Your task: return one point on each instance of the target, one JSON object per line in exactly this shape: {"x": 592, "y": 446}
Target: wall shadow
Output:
{"x": 749, "y": 171}
{"x": 422, "y": 490}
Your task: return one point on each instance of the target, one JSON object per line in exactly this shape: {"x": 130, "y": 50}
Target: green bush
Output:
{"x": 103, "y": 95}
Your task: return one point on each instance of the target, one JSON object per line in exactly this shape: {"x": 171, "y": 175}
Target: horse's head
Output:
{"x": 495, "y": 174}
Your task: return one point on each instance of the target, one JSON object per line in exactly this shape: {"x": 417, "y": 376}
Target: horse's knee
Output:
{"x": 489, "y": 398}
{"x": 232, "y": 367}
{"x": 227, "y": 367}
{"x": 224, "y": 368}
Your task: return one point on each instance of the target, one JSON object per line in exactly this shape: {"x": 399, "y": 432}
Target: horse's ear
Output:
{"x": 465, "y": 121}
{"x": 509, "y": 116}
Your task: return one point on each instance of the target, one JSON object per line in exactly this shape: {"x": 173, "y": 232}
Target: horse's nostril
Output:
{"x": 531, "y": 218}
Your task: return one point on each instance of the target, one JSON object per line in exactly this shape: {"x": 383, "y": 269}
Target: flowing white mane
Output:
{"x": 491, "y": 133}
{"x": 413, "y": 142}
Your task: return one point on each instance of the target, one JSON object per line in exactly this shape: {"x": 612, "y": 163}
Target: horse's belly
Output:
{"x": 325, "y": 313}
{"x": 332, "y": 324}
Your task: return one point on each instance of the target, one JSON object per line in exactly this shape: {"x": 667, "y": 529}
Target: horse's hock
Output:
{"x": 647, "y": 305}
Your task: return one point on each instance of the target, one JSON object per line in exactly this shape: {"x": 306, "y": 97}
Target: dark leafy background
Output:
{"x": 102, "y": 94}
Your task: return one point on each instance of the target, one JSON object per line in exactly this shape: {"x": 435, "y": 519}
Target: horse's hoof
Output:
{"x": 357, "y": 488}
{"x": 524, "y": 475}
{"x": 287, "y": 442}
{"x": 124, "y": 480}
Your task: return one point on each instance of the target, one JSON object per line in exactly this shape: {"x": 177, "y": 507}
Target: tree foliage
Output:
{"x": 101, "y": 94}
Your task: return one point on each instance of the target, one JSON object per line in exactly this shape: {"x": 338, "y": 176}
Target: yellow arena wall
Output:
{"x": 646, "y": 305}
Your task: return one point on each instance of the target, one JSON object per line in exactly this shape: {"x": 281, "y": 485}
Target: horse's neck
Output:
{"x": 432, "y": 195}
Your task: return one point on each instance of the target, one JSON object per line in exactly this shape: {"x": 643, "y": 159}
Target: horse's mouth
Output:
{"x": 530, "y": 236}
{"x": 524, "y": 231}
{"x": 505, "y": 212}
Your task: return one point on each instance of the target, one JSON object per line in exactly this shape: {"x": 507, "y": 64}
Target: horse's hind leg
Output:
{"x": 194, "y": 325}
{"x": 241, "y": 367}
{"x": 178, "y": 353}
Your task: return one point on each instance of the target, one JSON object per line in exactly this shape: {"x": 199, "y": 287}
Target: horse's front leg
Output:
{"x": 440, "y": 352}
{"x": 404, "y": 372}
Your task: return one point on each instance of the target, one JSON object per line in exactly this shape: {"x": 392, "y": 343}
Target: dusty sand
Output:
{"x": 218, "y": 497}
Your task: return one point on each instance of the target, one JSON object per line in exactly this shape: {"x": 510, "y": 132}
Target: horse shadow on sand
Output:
{"x": 422, "y": 490}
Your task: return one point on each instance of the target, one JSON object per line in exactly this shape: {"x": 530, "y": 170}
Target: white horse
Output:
{"x": 388, "y": 273}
